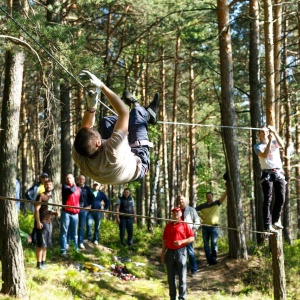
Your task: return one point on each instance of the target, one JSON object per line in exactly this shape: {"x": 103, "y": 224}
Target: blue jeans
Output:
{"x": 176, "y": 265}
{"x": 93, "y": 217}
{"x": 210, "y": 240}
{"x": 82, "y": 225}
{"x": 137, "y": 131}
{"x": 69, "y": 222}
{"x": 126, "y": 224}
{"x": 192, "y": 258}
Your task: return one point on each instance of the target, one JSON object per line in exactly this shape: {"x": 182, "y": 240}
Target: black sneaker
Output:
{"x": 152, "y": 109}
{"x": 128, "y": 98}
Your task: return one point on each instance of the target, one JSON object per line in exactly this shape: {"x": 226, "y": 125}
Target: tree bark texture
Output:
{"x": 13, "y": 274}
{"x": 237, "y": 241}
{"x": 256, "y": 111}
{"x": 269, "y": 62}
{"x": 277, "y": 57}
{"x": 192, "y": 142}
{"x": 173, "y": 177}
{"x": 288, "y": 140}
{"x": 279, "y": 283}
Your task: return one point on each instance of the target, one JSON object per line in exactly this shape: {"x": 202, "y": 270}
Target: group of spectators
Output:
{"x": 81, "y": 210}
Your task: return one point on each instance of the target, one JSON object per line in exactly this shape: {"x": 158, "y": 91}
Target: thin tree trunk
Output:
{"x": 256, "y": 111}
{"x": 269, "y": 62}
{"x": 237, "y": 241}
{"x": 165, "y": 143}
{"x": 192, "y": 142}
{"x": 287, "y": 159}
{"x": 278, "y": 268}
{"x": 277, "y": 56}
{"x": 279, "y": 283}
{"x": 173, "y": 181}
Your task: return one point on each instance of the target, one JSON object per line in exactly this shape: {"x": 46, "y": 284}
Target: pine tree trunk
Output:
{"x": 192, "y": 143}
{"x": 173, "y": 178}
{"x": 256, "y": 111}
{"x": 287, "y": 158}
{"x": 13, "y": 274}
{"x": 66, "y": 145}
{"x": 164, "y": 207}
{"x": 279, "y": 285}
{"x": 237, "y": 242}
{"x": 269, "y": 62}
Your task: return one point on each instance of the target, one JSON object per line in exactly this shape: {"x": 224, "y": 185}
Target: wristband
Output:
{"x": 91, "y": 110}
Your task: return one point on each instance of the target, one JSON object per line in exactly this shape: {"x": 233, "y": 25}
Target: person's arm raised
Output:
{"x": 119, "y": 106}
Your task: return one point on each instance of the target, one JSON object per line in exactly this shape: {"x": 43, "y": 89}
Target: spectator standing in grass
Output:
{"x": 209, "y": 213}
{"x": 86, "y": 197}
{"x": 43, "y": 218}
{"x": 69, "y": 215}
{"x": 96, "y": 216}
{"x": 190, "y": 215}
{"x": 125, "y": 204}
{"x": 177, "y": 235}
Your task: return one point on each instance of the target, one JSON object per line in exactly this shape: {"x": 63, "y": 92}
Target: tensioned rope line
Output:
{"x": 208, "y": 125}
{"x": 49, "y": 54}
{"x": 118, "y": 213}
{"x": 70, "y": 74}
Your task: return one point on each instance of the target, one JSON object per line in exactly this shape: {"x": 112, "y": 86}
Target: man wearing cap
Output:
{"x": 95, "y": 216}
{"x": 190, "y": 215}
{"x": 177, "y": 235}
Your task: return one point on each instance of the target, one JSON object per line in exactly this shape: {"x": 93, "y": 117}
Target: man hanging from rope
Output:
{"x": 109, "y": 157}
{"x": 272, "y": 178}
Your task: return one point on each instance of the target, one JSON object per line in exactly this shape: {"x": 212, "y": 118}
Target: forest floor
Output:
{"x": 228, "y": 279}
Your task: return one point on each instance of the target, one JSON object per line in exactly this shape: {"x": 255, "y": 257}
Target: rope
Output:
{"x": 70, "y": 74}
{"x": 208, "y": 125}
{"x": 49, "y": 54}
{"x": 119, "y": 213}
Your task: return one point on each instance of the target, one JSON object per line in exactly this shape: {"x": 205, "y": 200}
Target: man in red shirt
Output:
{"x": 69, "y": 215}
{"x": 177, "y": 235}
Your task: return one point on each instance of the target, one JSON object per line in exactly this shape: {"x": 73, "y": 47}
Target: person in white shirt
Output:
{"x": 272, "y": 178}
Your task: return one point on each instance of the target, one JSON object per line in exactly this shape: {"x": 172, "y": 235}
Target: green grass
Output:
{"x": 67, "y": 279}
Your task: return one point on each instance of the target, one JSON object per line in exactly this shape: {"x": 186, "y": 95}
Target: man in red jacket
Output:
{"x": 69, "y": 215}
{"x": 177, "y": 235}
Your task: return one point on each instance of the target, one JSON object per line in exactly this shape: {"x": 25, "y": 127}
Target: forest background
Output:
{"x": 223, "y": 69}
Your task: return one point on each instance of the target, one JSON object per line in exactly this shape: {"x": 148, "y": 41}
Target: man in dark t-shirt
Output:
{"x": 125, "y": 204}
{"x": 43, "y": 218}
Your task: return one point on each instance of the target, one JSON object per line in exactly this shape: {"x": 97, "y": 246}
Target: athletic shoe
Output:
{"x": 81, "y": 246}
{"x": 41, "y": 267}
{"x": 128, "y": 98}
{"x": 95, "y": 242}
{"x": 277, "y": 225}
{"x": 271, "y": 229}
{"x": 152, "y": 109}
